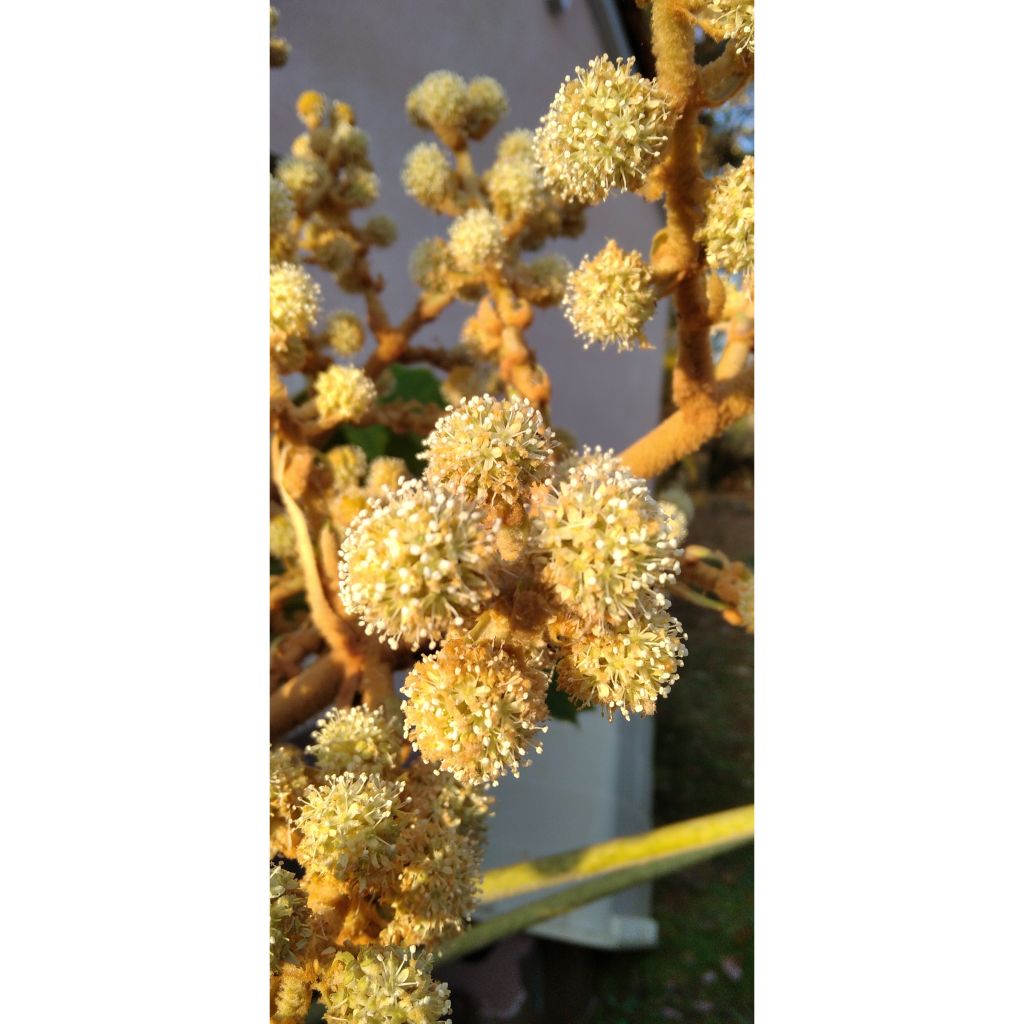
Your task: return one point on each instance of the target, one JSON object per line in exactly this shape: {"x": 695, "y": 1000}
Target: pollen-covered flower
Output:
{"x": 289, "y": 918}
{"x": 282, "y": 537}
{"x": 416, "y": 562}
{"x": 356, "y": 739}
{"x": 609, "y": 298}
{"x": 475, "y": 241}
{"x": 625, "y": 669}
{"x": 345, "y": 332}
{"x": 386, "y": 472}
{"x": 384, "y": 985}
{"x": 486, "y": 105}
{"x": 474, "y": 710}
{"x": 731, "y": 19}
{"x": 294, "y": 302}
{"x": 343, "y": 392}
{"x": 428, "y": 177}
{"x": 610, "y": 547}
{"x": 492, "y": 450}
{"x": 515, "y": 189}
{"x": 439, "y": 101}
{"x": 728, "y": 229}
{"x": 349, "y": 827}
{"x": 604, "y": 130}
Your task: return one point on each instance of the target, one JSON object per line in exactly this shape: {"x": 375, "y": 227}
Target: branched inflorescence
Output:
{"x": 516, "y": 562}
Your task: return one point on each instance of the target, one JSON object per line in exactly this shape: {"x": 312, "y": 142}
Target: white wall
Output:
{"x": 370, "y": 55}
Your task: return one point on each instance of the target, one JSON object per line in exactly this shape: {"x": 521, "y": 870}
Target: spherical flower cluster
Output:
{"x": 415, "y": 563}
{"x": 728, "y": 230}
{"x": 439, "y": 101}
{"x": 475, "y": 241}
{"x": 380, "y": 230}
{"x": 384, "y": 985}
{"x": 604, "y": 130}
{"x": 609, "y": 545}
{"x": 289, "y": 918}
{"x": 516, "y": 145}
{"x": 306, "y": 178}
{"x": 474, "y": 710}
{"x": 282, "y": 537}
{"x": 360, "y": 187}
{"x": 356, "y": 739}
{"x": 609, "y": 298}
{"x": 438, "y": 796}
{"x": 733, "y": 19}
{"x": 627, "y": 668}
{"x": 349, "y": 827}
{"x": 489, "y": 449}
{"x": 543, "y": 282}
{"x": 343, "y": 393}
{"x": 345, "y": 332}
{"x": 515, "y": 189}
{"x": 428, "y": 265}
{"x": 349, "y": 144}
{"x": 386, "y": 472}
{"x": 288, "y": 781}
{"x": 312, "y": 108}
{"x": 487, "y": 104}
{"x": 438, "y": 887}
{"x": 428, "y": 177}
{"x": 678, "y": 520}
{"x": 294, "y": 302}
{"x": 348, "y": 464}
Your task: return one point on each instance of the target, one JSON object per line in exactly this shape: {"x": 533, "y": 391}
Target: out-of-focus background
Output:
{"x": 687, "y": 953}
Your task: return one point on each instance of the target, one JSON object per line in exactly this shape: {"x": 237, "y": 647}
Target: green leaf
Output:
{"x": 559, "y": 704}
{"x": 372, "y": 439}
{"x": 414, "y": 385}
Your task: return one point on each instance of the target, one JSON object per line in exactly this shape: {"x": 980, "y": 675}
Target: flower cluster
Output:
{"x": 490, "y": 450}
{"x": 415, "y": 563}
{"x": 606, "y": 129}
{"x": 444, "y": 103}
{"x": 728, "y": 230}
{"x": 384, "y": 985}
{"x": 609, "y": 298}
{"x": 731, "y": 19}
{"x": 391, "y": 859}
{"x": 343, "y": 393}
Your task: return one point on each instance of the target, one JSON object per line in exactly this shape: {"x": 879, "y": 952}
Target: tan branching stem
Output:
{"x": 303, "y": 696}
{"x": 704, "y": 406}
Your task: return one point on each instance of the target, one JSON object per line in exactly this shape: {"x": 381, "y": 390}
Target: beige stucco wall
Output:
{"x": 370, "y": 55}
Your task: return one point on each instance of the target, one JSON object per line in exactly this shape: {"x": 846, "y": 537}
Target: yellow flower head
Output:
{"x": 609, "y": 298}
{"x": 294, "y": 302}
{"x": 428, "y": 177}
{"x": 604, "y": 130}
{"x": 415, "y": 563}
{"x": 343, "y": 392}
{"x": 349, "y": 828}
{"x": 489, "y": 449}
{"x": 474, "y": 710}
{"x": 384, "y": 985}
{"x": 626, "y": 669}
{"x": 728, "y": 230}
{"x": 610, "y": 547}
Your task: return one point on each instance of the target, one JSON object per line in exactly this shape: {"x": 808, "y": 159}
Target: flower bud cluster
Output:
{"x": 343, "y": 393}
{"x": 444, "y": 103}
